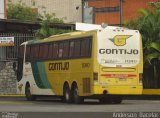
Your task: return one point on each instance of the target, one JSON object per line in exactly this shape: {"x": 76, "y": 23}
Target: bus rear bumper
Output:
{"x": 151, "y": 91}
{"x": 118, "y": 90}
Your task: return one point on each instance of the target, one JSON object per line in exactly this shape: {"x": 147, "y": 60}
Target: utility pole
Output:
{"x": 83, "y": 11}
{"x": 121, "y": 19}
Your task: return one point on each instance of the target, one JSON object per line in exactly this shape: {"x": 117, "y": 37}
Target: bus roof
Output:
{"x": 85, "y": 29}
{"x": 89, "y": 27}
{"x": 74, "y": 34}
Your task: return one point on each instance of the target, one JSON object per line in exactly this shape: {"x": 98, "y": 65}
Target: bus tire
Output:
{"x": 28, "y": 94}
{"x": 67, "y": 94}
{"x": 76, "y": 98}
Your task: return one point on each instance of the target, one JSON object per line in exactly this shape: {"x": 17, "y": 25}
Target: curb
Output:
{"x": 11, "y": 95}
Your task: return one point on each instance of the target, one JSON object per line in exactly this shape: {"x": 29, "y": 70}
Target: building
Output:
{"x": 108, "y": 11}
{"x": 69, "y": 10}
{"x": 2, "y": 9}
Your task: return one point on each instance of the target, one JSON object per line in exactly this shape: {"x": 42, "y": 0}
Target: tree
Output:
{"x": 20, "y": 11}
{"x": 45, "y": 30}
{"x": 148, "y": 23}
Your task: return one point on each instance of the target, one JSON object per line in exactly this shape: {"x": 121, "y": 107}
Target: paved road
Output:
{"x": 20, "y": 105}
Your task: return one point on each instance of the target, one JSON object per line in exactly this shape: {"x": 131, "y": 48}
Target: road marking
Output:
{"x": 14, "y": 102}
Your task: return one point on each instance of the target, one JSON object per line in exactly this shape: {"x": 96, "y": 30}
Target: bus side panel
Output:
{"x": 40, "y": 75}
{"x": 81, "y": 73}
{"x": 77, "y": 70}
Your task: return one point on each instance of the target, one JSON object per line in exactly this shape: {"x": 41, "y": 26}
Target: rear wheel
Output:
{"x": 67, "y": 94}
{"x": 28, "y": 94}
{"x": 77, "y": 99}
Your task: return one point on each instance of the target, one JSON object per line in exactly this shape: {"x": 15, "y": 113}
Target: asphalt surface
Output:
{"x": 18, "y": 107}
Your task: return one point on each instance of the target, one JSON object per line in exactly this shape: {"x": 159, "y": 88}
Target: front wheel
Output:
{"x": 28, "y": 94}
{"x": 77, "y": 99}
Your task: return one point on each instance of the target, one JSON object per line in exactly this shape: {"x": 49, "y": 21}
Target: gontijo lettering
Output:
{"x": 119, "y": 51}
{"x": 59, "y": 66}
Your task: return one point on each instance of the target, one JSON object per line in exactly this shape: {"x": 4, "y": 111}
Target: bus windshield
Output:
{"x": 118, "y": 48}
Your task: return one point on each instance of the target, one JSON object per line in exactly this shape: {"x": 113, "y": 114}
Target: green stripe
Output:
{"x": 43, "y": 75}
{"x": 40, "y": 75}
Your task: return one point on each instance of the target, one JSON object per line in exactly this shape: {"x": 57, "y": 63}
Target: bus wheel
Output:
{"x": 77, "y": 99}
{"x": 117, "y": 100}
{"x": 67, "y": 94}
{"x": 28, "y": 94}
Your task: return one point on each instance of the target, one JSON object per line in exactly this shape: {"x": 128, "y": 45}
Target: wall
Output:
{"x": 130, "y": 10}
{"x": 71, "y": 10}
{"x": 2, "y": 9}
{"x": 8, "y": 83}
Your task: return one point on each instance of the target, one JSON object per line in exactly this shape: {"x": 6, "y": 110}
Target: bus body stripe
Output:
{"x": 40, "y": 75}
{"x": 118, "y": 75}
{"x": 36, "y": 75}
{"x": 43, "y": 74}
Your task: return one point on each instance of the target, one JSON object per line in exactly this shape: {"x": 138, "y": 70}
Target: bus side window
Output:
{"x": 43, "y": 51}
{"x": 71, "y": 49}
{"x": 60, "y": 52}
{"x": 88, "y": 47}
{"x": 65, "y": 49}
{"x": 34, "y": 51}
{"x": 50, "y": 46}
{"x": 77, "y": 48}
{"x": 55, "y": 50}
{"x": 85, "y": 48}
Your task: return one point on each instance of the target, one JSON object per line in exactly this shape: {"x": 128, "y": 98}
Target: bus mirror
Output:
{"x": 14, "y": 66}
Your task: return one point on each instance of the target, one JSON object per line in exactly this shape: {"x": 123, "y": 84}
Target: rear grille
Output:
{"x": 86, "y": 85}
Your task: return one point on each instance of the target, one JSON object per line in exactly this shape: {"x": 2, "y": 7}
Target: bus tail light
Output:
{"x": 140, "y": 77}
{"x": 95, "y": 76}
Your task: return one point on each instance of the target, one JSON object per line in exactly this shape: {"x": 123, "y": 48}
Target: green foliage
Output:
{"x": 45, "y": 30}
{"x": 155, "y": 47}
{"x": 20, "y": 11}
{"x": 148, "y": 23}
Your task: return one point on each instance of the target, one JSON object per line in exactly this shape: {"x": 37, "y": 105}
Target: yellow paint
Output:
{"x": 120, "y": 40}
{"x": 14, "y": 102}
{"x": 151, "y": 91}
{"x": 79, "y": 74}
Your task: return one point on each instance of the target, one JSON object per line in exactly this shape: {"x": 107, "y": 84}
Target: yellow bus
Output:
{"x": 104, "y": 64}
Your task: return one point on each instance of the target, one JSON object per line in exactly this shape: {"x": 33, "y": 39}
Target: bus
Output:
{"x": 104, "y": 64}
